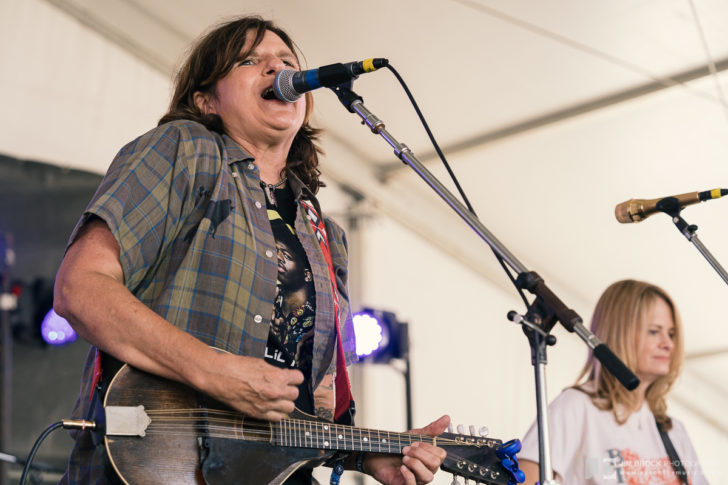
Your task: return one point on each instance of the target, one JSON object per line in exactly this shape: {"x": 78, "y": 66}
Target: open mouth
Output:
{"x": 268, "y": 93}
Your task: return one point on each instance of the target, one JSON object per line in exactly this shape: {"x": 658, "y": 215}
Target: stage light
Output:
{"x": 380, "y": 337}
{"x": 56, "y": 330}
{"x": 34, "y": 322}
{"x": 369, "y": 334}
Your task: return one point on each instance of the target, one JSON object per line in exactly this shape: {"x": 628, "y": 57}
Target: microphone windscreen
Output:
{"x": 621, "y": 212}
{"x": 612, "y": 363}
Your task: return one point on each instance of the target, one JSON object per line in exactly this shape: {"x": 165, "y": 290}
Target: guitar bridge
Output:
{"x": 126, "y": 421}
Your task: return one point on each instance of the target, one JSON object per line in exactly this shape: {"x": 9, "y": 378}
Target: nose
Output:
{"x": 667, "y": 341}
{"x": 274, "y": 65}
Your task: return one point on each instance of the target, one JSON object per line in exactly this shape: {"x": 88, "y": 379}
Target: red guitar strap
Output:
{"x": 342, "y": 384}
{"x": 96, "y": 376}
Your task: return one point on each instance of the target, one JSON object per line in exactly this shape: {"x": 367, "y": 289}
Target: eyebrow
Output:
{"x": 280, "y": 54}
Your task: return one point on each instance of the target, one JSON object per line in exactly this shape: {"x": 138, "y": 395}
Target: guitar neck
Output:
{"x": 322, "y": 435}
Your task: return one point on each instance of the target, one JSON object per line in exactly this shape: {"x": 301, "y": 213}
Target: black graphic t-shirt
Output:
{"x": 290, "y": 340}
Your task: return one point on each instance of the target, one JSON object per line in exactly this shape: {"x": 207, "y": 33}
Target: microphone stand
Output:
{"x": 671, "y": 207}
{"x": 544, "y": 311}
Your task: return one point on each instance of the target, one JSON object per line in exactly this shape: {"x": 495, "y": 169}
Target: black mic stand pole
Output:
{"x": 8, "y": 302}
{"x": 547, "y": 306}
{"x": 538, "y": 340}
{"x": 671, "y": 207}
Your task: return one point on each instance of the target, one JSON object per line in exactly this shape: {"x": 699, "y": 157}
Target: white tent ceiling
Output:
{"x": 550, "y": 112}
{"x": 494, "y": 77}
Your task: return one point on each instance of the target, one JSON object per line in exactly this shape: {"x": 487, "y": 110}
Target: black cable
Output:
{"x": 34, "y": 450}
{"x": 452, "y": 175}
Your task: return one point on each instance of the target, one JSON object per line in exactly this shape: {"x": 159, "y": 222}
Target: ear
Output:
{"x": 309, "y": 107}
{"x": 204, "y": 103}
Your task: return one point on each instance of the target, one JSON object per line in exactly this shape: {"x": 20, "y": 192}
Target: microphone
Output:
{"x": 636, "y": 210}
{"x": 289, "y": 85}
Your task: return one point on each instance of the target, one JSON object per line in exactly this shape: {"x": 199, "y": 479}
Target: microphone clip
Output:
{"x": 345, "y": 94}
{"x": 670, "y": 206}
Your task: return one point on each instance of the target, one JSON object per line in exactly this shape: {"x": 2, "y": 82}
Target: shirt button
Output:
{"x": 269, "y": 253}
{"x": 257, "y": 319}
{"x": 258, "y": 204}
{"x": 251, "y": 166}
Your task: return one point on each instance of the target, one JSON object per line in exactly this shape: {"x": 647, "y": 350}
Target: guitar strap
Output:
{"x": 341, "y": 385}
{"x": 677, "y": 465}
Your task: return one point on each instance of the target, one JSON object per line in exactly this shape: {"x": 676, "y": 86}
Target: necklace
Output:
{"x": 270, "y": 188}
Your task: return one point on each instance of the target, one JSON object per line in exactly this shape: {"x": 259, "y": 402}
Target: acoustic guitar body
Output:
{"x": 177, "y": 450}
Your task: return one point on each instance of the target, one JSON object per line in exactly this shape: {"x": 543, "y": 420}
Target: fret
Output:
{"x": 326, "y": 435}
{"x": 296, "y": 432}
{"x": 276, "y": 435}
{"x": 340, "y": 441}
{"x": 307, "y": 434}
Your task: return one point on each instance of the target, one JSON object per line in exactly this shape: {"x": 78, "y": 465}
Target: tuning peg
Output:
{"x": 461, "y": 429}
{"x": 449, "y": 428}
{"x": 509, "y": 448}
{"x": 483, "y": 431}
{"x": 471, "y": 428}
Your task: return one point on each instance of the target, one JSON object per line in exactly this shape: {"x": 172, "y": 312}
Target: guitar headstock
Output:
{"x": 483, "y": 460}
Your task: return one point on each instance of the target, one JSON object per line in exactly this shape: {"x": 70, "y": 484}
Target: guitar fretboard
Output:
{"x": 321, "y": 435}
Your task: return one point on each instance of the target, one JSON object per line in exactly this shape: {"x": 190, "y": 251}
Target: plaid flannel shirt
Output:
{"x": 186, "y": 208}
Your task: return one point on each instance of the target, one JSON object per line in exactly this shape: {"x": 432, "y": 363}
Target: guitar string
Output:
{"x": 193, "y": 430}
{"x": 237, "y": 417}
{"x": 290, "y": 424}
{"x": 299, "y": 422}
{"x": 293, "y": 422}
{"x": 184, "y": 422}
{"x": 291, "y": 432}
{"x": 268, "y": 437}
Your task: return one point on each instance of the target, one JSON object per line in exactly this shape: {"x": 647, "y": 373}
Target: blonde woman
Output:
{"x": 600, "y": 432}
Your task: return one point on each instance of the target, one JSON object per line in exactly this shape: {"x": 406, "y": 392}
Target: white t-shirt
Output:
{"x": 588, "y": 447}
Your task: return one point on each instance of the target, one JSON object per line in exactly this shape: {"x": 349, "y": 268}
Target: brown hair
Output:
{"x": 211, "y": 58}
{"x": 619, "y": 317}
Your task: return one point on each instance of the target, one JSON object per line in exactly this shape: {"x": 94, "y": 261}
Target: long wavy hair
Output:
{"x": 210, "y": 59}
{"x": 619, "y": 319}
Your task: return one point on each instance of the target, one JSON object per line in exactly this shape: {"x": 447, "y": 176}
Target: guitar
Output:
{"x": 161, "y": 432}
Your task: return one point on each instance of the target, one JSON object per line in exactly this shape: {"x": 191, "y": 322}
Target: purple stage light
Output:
{"x": 369, "y": 334}
{"x": 56, "y": 330}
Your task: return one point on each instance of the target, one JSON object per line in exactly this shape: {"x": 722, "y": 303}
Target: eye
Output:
{"x": 246, "y": 62}
{"x": 290, "y": 64}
